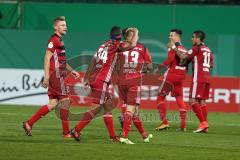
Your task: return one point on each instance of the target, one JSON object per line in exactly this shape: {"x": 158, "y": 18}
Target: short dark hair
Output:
{"x": 60, "y": 18}
{"x": 178, "y": 31}
{"x": 116, "y": 33}
{"x": 115, "y": 30}
{"x": 200, "y": 34}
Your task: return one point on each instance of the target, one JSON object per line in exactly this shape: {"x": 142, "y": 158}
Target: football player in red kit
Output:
{"x": 130, "y": 66}
{"x": 202, "y": 60}
{"x": 175, "y": 74}
{"x": 99, "y": 77}
{"x": 55, "y": 71}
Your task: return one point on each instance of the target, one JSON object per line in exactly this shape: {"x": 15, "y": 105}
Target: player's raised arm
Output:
{"x": 47, "y": 58}
{"x": 148, "y": 60}
{"x": 180, "y": 54}
{"x": 131, "y": 36}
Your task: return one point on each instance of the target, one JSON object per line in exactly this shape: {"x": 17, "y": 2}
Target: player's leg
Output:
{"x": 204, "y": 110}
{"x": 183, "y": 113}
{"x": 162, "y": 109}
{"x": 108, "y": 120}
{"x": 86, "y": 119}
{"x": 203, "y": 104}
{"x": 99, "y": 89}
{"x": 42, "y": 111}
{"x": 123, "y": 110}
{"x": 64, "y": 116}
{"x": 127, "y": 120}
{"x": 194, "y": 103}
{"x": 196, "y": 94}
{"x": 139, "y": 125}
{"x": 203, "y": 101}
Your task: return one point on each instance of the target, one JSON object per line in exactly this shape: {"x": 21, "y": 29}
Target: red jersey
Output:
{"x": 173, "y": 61}
{"x": 106, "y": 57}
{"x": 201, "y": 57}
{"x": 131, "y": 61}
{"x": 58, "y": 60}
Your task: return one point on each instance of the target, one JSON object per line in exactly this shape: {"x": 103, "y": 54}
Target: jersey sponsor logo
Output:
{"x": 50, "y": 45}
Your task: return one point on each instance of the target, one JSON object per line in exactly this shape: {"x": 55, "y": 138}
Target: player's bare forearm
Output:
{"x": 134, "y": 39}
{"x": 180, "y": 54}
{"x": 69, "y": 68}
{"x": 130, "y": 43}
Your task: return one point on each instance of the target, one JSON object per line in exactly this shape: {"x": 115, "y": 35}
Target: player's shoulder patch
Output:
{"x": 50, "y": 44}
{"x": 190, "y": 51}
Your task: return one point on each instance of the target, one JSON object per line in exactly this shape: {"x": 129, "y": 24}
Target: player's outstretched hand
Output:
{"x": 75, "y": 74}
{"x": 45, "y": 83}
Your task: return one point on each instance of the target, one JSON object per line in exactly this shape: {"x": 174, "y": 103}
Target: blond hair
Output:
{"x": 60, "y": 18}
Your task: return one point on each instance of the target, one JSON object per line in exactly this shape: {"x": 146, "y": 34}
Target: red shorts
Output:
{"x": 99, "y": 91}
{"x": 130, "y": 94}
{"x": 199, "y": 90}
{"x": 177, "y": 82}
{"x": 57, "y": 89}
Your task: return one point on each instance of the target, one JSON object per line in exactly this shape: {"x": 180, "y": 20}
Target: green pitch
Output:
{"x": 222, "y": 142}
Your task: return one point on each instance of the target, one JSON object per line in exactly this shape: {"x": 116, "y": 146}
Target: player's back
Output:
{"x": 131, "y": 61}
{"x": 201, "y": 63}
{"x": 105, "y": 60}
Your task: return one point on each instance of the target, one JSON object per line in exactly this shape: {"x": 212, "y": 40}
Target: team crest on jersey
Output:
{"x": 190, "y": 51}
{"x": 50, "y": 45}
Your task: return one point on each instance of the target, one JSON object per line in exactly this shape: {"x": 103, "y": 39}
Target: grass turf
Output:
{"x": 222, "y": 142}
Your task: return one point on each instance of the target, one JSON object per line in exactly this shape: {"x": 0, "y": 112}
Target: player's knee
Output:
{"x": 130, "y": 108}
{"x": 160, "y": 100}
{"x": 65, "y": 104}
{"x": 108, "y": 106}
{"x": 202, "y": 102}
{"x": 52, "y": 105}
{"x": 192, "y": 101}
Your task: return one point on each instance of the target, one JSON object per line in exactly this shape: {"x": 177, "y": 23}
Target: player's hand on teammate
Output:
{"x": 86, "y": 82}
{"x": 45, "y": 83}
{"x": 75, "y": 74}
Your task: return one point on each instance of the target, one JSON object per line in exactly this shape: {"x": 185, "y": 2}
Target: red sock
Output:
{"x": 64, "y": 118}
{"x": 138, "y": 124}
{"x": 204, "y": 111}
{"x": 182, "y": 111}
{"x": 162, "y": 109}
{"x": 198, "y": 112}
{"x": 127, "y": 120}
{"x": 87, "y": 117}
{"x": 40, "y": 113}
{"x": 108, "y": 120}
